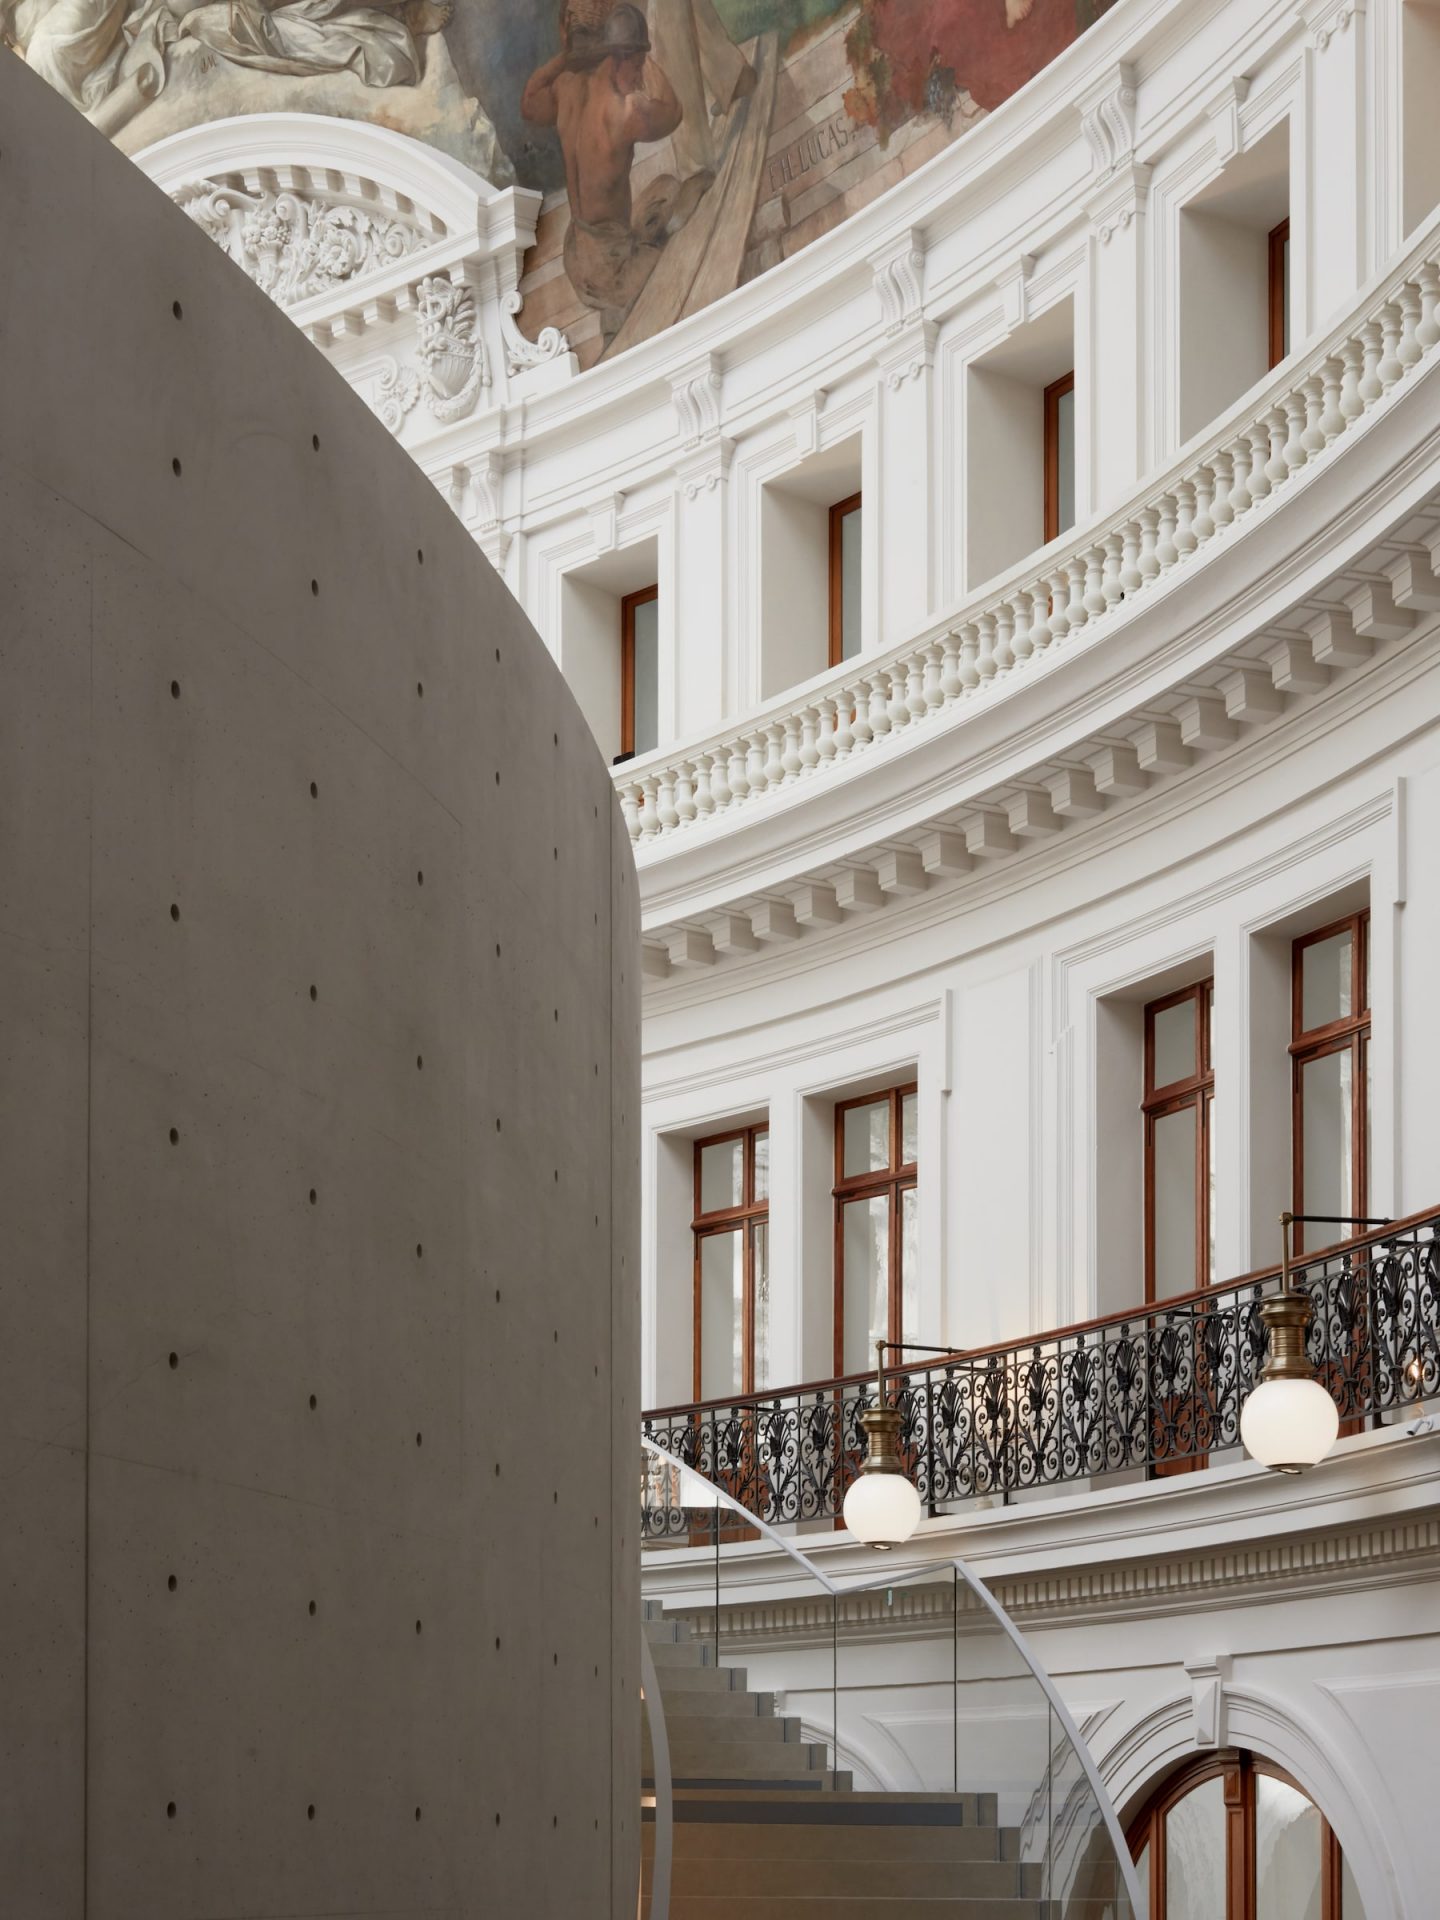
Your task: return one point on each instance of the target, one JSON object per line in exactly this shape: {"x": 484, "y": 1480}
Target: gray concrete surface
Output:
{"x": 318, "y": 1567}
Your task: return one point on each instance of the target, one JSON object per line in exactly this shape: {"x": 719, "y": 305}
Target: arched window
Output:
{"x": 1232, "y": 1837}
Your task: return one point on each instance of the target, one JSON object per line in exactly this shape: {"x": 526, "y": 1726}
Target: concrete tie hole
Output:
{"x": 315, "y": 442}
{"x": 314, "y": 1403}
{"x": 174, "y": 1136}
{"x": 177, "y": 310}
{"x": 172, "y": 1583}
{"x": 310, "y": 1813}
{"x": 174, "y": 911}
{"x": 313, "y": 1196}
{"x": 312, "y": 1609}
{"x": 175, "y": 466}
{"x": 170, "y": 1810}
{"x": 174, "y": 689}
{"x": 174, "y": 1361}
{"x": 315, "y": 589}
{"x": 314, "y": 991}
{"x": 314, "y": 791}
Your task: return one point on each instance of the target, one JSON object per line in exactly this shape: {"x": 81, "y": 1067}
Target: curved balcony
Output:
{"x": 1076, "y": 592}
{"x": 1143, "y": 1394}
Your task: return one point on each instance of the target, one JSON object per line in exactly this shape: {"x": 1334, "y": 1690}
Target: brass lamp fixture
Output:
{"x": 1290, "y": 1422}
{"x": 882, "y": 1507}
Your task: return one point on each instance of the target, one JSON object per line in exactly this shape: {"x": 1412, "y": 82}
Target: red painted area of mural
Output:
{"x": 914, "y": 56}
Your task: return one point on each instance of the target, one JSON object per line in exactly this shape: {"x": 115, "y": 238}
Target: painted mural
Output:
{"x": 684, "y": 146}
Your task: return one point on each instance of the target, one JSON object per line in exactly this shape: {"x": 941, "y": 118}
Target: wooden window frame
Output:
{"x": 1350, "y": 1033}
{"x": 1197, "y": 1091}
{"x": 1239, "y": 1771}
{"x": 627, "y": 665}
{"x": 1276, "y": 242}
{"x": 744, "y": 1218}
{"x": 1054, "y": 393}
{"x": 892, "y": 1181}
{"x": 839, "y": 513}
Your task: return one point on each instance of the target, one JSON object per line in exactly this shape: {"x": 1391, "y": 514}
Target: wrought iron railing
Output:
{"x": 1147, "y": 1393}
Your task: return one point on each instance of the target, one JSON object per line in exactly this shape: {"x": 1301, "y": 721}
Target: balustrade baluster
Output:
{"x": 879, "y": 706}
{"x": 1040, "y": 630}
{"x": 630, "y": 809}
{"x": 718, "y": 783}
{"x": 665, "y": 808}
{"x": 852, "y": 722}
{"x": 1428, "y": 280}
{"x": 985, "y": 662}
{"x": 1021, "y": 644}
{"x": 1004, "y": 628}
{"x": 1165, "y": 551}
{"x": 952, "y": 684}
{"x": 1276, "y": 471}
{"x": 1203, "y": 523}
{"x": 649, "y": 813}
{"x": 704, "y": 797}
{"x": 1185, "y": 541}
{"x": 1075, "y": 615}
{"x": 809, "y": 739}
{"x": 1149, "y": 532}
{"x": 916, "y": 704}
{"x": 1230, "y": 496}
{"x": 1302, "y": 417}
{"x": 934, "y": 665}
{"x": 737, "y": 772}
{"x": 1332, "y": 422}
{"x": 755, "y": 747}
{"x": 1371, "y": 339}
{"x": 825, "y": 741}
{"x": 1111, "y": 590}
{"x": 1093, "y": 598}
{"x": 1131, "y": 578}
{"x": 684, "y": 794}
{"x": 1391, "y": 369}
{"x": 774, "y": 758}
{"x": 789, "y": 744}
{"x": 1258, "y": 480}
{"x": 1409, "y": 352}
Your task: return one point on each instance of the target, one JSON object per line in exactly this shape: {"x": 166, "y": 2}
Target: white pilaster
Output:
{"x": 1338, "y": 245}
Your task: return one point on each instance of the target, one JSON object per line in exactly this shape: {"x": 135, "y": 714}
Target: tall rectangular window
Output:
{"x": 845, "y": 525}
{"x": 876, "y": 1224}
{"x": 1060, "y": 457}
{"x": 732, "y": 1263}
{"x": 1279, "y": 250}
{"x": 1329, "y": 1052}
{"x": 1178, "y": 1107}
{"x": 640, "y": 672}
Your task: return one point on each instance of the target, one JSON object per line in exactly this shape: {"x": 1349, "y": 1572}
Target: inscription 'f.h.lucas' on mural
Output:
{"x": 682, "y": 146}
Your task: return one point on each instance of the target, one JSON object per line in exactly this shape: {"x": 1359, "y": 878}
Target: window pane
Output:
{"x": 1287, "y": 1852}
{"x": 1174, "y": 1031}
{"x": 646, "y": 616}
{"x": 1065, "y": 459}
{"x": 760, "y": 1264}
{"x": 762, "y": 1166}
{"x": 1173, "y": 1143}
{"x": 1327, "y": 989}
{"x": 1195, "y": 1855}
{"x": 722, "y": 1302}
{"x": 909, "y": 1130}
{"x": 850, "y": 584}
{"x": 1352, "y": 1907}
{"x": 867, "y": 1137}
{"x": 1325, "y": 1096}
{"x": 722, "y": 1175}
{"x": 909, "y": 1263}
{"x": 865, "y": 1244}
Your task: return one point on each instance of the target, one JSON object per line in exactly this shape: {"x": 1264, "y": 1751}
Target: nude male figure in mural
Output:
{"x": 604, "y": 95}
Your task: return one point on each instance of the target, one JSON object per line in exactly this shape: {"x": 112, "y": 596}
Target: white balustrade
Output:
{"x": 1252, "y": 456}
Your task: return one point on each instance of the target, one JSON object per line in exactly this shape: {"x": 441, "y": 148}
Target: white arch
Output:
{"x": 436, "y": 185}
{"x": 1136, "y": 1762}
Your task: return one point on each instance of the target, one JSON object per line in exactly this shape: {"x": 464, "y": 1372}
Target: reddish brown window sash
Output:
{"x": 728, "y": 1220}
{"x": 891, "y": 1181}
{"x": 1053, "y": 396}
{"x": 1277, "y": 243}
{"x": 838, "y": 515}
{"x": 627, "y": 663}
{"x": 1350, "y": 1034}
{"x": 1197, "y": 1090}
{"x": 1239, "y": 1772}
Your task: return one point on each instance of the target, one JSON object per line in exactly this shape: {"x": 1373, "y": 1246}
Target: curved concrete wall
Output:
{"x": 318, "y": 1042}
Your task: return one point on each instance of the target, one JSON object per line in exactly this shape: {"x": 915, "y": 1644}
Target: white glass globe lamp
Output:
{"x": 882, "y": 1508}
{"x": 1289, "y": 1422}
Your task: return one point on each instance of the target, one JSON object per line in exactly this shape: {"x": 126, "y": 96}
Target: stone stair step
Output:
{"x": 892, "y": 1879}
{"x": 796, "y": 1838}
{"x": 811, "y": 1786}
{"x": 669, "y": 1654}
{"x": 825, "y": 1906}
{"x": 724, "y": 1703}
{"x": 693, "y": 1729}
{"x": 739, "y": 1760}
{"x": 676, "y": 1676}
{"x": 942, "y": 1810}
